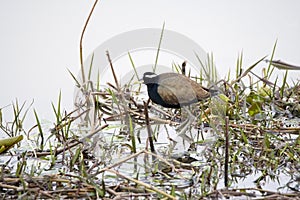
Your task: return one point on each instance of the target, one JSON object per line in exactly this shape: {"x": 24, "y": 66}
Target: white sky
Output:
{"x": 40, "y": 39}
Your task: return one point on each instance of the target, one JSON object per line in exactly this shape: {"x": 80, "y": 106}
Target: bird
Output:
{"x": 173, "y": 90}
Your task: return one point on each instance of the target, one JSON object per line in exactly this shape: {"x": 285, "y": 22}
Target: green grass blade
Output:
{"x": 57, "y": 111}
{"x": 248, "y": 70}
{"x": 270, "y": 68}
{"x": 40, "y": 130}
{"x": 132, "y": 136}
{"x": 206, "y": 73}
{"x": 283, "y": 84}
{"x": 76, "y": 81}
{"x": 158, "y": 49}
{"x": 133, "y": 66}
{"x": 91, "y": 66}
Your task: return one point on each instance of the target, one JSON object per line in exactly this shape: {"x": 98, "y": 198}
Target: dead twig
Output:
{"x": 146, "y": 185}
{"x": 81, "y": 39}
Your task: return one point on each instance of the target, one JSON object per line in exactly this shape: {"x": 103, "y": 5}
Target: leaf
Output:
{"x": 283, "y": 65}
{"x": 7, "y": 143}
{"x": 254, "y": 109}
{"x": 264, "y": 91}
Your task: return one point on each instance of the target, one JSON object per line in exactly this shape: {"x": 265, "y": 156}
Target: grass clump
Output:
{"x": 255, "y": 124}
{"x": 110, "y": 145}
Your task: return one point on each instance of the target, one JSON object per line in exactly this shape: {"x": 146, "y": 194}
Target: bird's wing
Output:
{"x": 167, "y": 95}
{"x": 182, "y": 93}
{"x": 200, "y": 92}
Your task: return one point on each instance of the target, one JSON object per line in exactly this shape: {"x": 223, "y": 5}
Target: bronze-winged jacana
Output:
{"x": 172, "y": 90}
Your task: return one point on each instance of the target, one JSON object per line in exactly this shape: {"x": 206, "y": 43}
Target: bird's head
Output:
{"x": 149, "y": 77}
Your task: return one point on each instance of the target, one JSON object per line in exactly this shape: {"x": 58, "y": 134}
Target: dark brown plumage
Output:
{"x": 173, "y": 90}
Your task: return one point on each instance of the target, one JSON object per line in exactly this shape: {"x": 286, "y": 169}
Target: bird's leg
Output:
{"x": 182, "y": 129}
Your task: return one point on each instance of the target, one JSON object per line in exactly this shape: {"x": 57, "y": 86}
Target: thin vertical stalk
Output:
{"x": 81, "y": 39}
{"x": 158, "y": 49}
{"x": 226, "y": 151}
{"x": 150, "y": 138}
{"x": 113, "y": 71}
